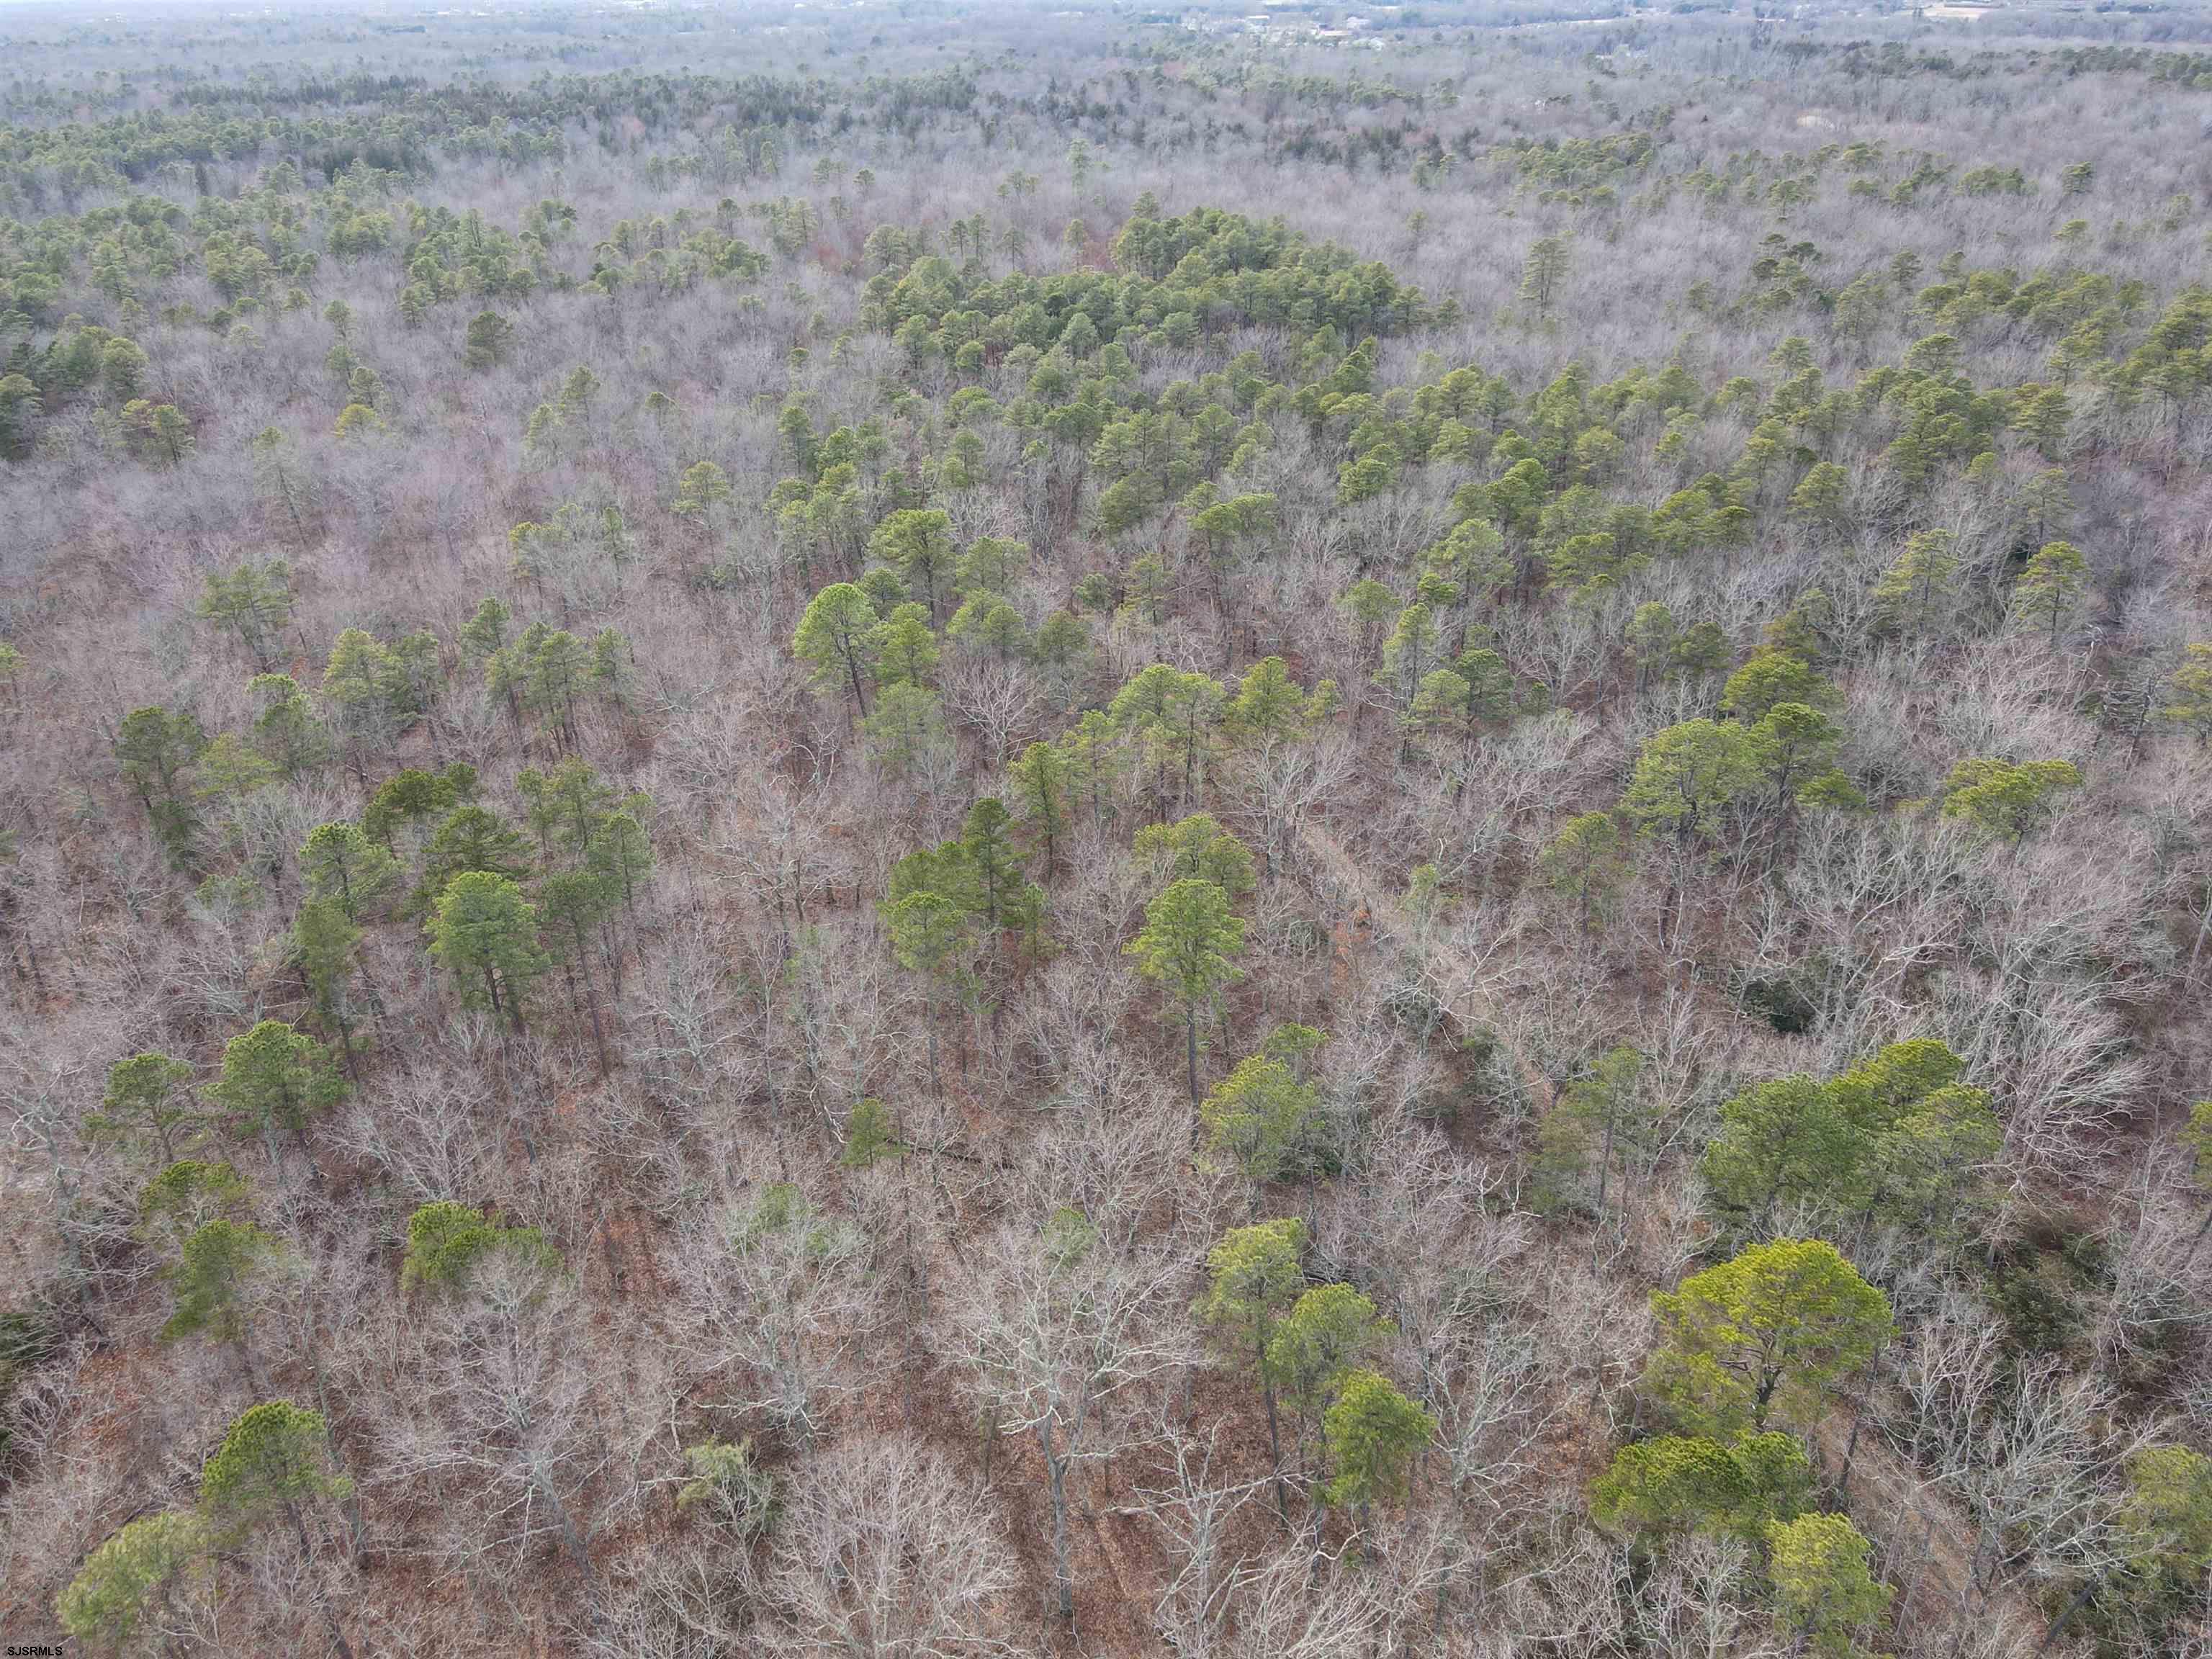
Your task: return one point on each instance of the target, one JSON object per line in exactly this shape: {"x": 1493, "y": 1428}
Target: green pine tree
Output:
{"x": 484, "y": 933}
{"x": 1188, "y": 947}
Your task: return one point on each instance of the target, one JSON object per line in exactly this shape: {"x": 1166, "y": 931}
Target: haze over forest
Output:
{"x": 944, "y": 830}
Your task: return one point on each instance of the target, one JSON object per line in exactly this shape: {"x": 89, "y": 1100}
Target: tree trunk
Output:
{"x": 2197, "y": 950}
{"x": 853, "y": 672}
{"x": 345, "y": 1046}
{"x": 1274, "y": 1439}
{"x": 1605, "y": 1165}
{"x": 322, "y": 1594}
{"x": 1858, "y": 1416}
{"x": 591, "y": 994}
{"x": 2207, "y": 1228}
{"x": 1056, "y": 1477}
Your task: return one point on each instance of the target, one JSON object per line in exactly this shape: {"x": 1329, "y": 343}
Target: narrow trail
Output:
{"x": 1459, "y": 981}
{"x": 1924, "y": 1543}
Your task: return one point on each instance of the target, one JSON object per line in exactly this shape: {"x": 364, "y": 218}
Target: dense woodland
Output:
{"x": 950, "y": 831}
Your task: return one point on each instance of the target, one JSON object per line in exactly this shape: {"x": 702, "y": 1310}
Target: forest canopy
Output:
{"x": 963, "y": 831}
